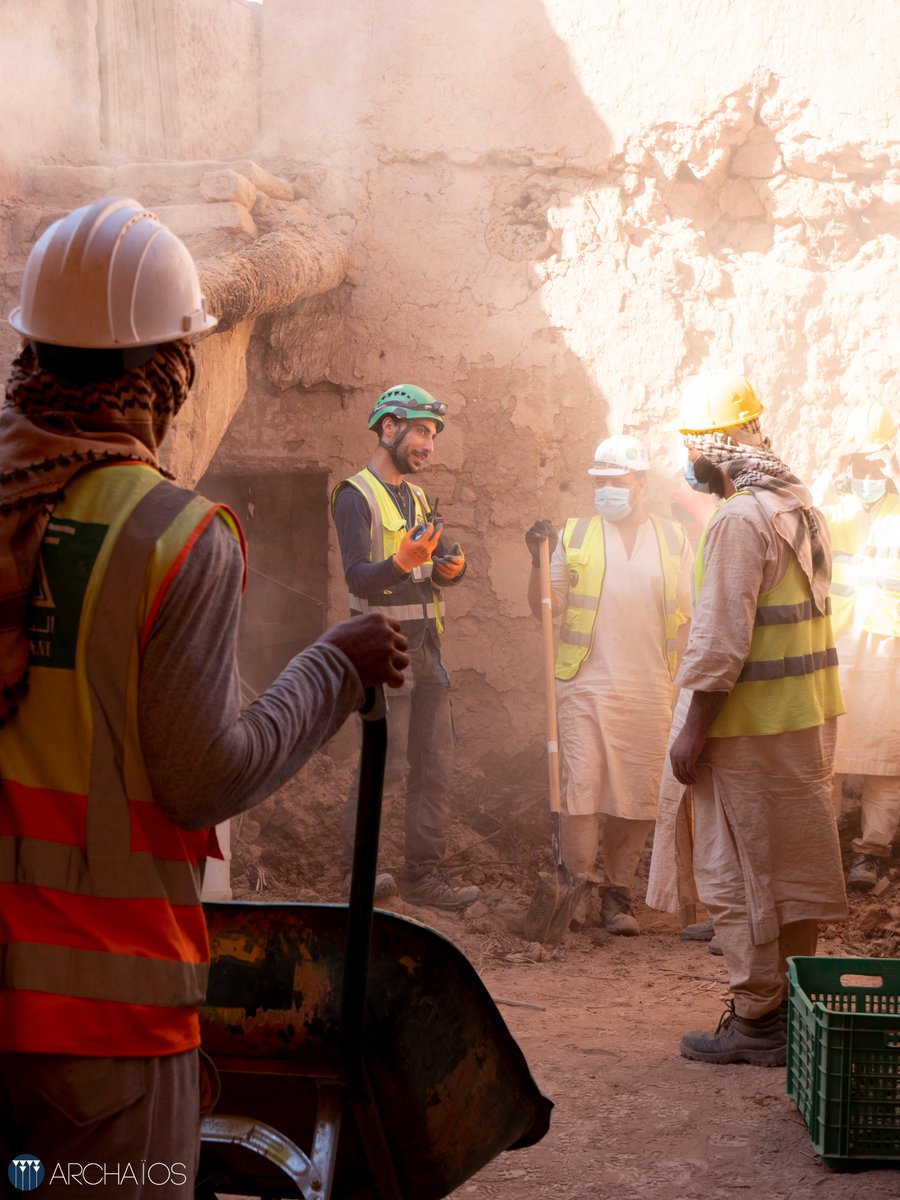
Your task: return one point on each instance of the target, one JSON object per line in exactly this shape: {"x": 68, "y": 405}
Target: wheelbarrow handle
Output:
{"x": 372, "y": 759}
{"x": 374, "y": 706}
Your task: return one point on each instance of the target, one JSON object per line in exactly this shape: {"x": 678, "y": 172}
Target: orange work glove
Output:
{"x": 451, "y": 564}
{"x": 414, "y": 553}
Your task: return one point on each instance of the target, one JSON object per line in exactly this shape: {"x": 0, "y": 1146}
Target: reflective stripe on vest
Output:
{"x": 107, "y": 665}
{"x": 585, "y": 549}
{"x": 411, "y": 601}
{"x": 399, "y": 612}
{"x": 99, "y": 975}
{"x": 789, "y": 680}
{"x": 866, "y": 576}
{"x": 64, "y": 868}
{"x": 79, "y": 832}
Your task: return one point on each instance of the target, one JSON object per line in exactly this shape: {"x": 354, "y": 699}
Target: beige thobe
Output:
{"x": 671, "y": 886}
{"x": 765, "y": 847}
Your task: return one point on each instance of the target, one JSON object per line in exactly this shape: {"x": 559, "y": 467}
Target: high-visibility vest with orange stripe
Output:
{"x": 866, "y": 574}
{"x": 103, "y": 947}
{"x": 789, "y": 680}
{"x": 585, "y": 550}
{"x": 410, "y": 601}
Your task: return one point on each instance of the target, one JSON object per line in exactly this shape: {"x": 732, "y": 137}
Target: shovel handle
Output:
{"x": 549, "y": 675}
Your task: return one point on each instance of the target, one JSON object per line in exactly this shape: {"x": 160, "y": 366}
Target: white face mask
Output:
{"x": 868, "y": 491}
{"x": 613, "y": 503}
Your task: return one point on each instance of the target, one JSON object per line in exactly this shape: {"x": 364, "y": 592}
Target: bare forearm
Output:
{"x": 687, "y": 747}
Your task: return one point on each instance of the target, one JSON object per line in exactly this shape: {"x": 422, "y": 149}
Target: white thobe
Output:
{"x": 615, "y": 714}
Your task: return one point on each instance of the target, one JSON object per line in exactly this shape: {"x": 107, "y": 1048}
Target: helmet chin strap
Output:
{"x": 393, "y": 447}
{"x": 395, "y": 457}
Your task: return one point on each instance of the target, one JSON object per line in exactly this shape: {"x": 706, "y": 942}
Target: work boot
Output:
{"x": 863, "y": 873}
{"x": 761, "y": 1041}
{"x": 615, "y": 910}
{"x": 436, "y": 891}
{"x": 698, "y": 933}
{"x": 715, "y": 947}
{"x": 385, "y": 887}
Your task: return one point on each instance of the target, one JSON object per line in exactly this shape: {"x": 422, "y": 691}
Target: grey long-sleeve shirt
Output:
{"x": 207, "y": 758}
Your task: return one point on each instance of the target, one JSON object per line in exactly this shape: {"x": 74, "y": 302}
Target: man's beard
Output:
{"x": 401, "y": 461}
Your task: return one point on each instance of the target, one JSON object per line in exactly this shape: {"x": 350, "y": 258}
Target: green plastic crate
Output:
{"x": 843, "y": 1060}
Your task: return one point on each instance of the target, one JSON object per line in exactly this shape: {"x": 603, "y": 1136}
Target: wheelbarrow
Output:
{"x": 360, "y": 1057}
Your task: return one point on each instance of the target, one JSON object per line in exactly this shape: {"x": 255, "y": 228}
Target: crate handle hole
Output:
{"x": 874, "y": 981}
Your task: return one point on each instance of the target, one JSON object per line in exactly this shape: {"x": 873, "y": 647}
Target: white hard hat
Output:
{"x": 618, "y": 455}
{"x": 109, "y": 276}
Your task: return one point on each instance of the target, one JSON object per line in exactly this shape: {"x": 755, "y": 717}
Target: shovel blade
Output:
{"x": 553, "y": 906}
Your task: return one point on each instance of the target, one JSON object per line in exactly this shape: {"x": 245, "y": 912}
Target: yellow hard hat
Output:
{"x": 870, "y": 428}
{"x": 718, "y": 401}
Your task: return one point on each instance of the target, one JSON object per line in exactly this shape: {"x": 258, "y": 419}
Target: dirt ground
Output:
{"x": 599, "y": 1018}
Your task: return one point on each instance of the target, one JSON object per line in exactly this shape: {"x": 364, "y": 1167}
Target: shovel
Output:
{"x": 556, "y": 898}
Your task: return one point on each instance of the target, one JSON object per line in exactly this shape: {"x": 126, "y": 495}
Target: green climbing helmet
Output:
{"x": 406, "y": 402}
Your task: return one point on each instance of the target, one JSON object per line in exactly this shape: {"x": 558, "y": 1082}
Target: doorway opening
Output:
{"x": 285, "y": 521}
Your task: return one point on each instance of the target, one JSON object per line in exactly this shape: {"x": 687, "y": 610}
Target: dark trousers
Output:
{"x": 109, "y": 1128}
{"x": 420, "y": 735}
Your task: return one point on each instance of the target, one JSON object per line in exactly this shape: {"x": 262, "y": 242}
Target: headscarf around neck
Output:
{"x": 753, "y": 466}
{"x": 51, "y": 429}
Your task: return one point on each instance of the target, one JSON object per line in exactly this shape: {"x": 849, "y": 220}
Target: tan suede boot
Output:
{"x": 615, "y": 909}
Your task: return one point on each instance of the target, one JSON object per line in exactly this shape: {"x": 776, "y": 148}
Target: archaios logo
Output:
{"x": 25, "y": 1172}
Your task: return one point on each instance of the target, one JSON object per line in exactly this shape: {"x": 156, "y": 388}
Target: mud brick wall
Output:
{"x": 548, "y": 212}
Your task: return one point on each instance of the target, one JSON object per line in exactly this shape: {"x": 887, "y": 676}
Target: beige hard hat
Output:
{"x": 109, "y": 276}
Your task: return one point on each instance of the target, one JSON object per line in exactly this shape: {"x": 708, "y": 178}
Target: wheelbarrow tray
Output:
{"x": 450, "y": 1085}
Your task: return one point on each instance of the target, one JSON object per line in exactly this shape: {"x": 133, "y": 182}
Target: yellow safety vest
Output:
{"x": 866, "y": 575}
{"x": 790, "y": 679}
{"x": 412, "y": 600}
{"x": 584, "y": 542}
{"x": 105, "y": 950}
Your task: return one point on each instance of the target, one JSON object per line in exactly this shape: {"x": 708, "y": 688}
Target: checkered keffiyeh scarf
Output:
{"x": 50, "y": 430}
{"x": 785, "y": 499}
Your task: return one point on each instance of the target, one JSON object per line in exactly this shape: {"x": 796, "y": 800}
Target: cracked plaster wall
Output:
{"x": 556, "y": 212}
{"x": 104, "y": 97}
{"x": 50, "y": 97}
{"x": 164, "y": 78}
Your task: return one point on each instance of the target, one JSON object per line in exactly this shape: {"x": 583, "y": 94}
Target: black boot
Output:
{"x": 761, "y": 1041}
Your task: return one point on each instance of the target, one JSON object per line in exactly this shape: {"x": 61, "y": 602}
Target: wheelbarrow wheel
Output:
{"x": 205, "y": 1191}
